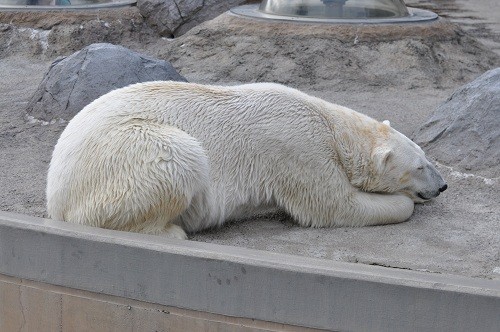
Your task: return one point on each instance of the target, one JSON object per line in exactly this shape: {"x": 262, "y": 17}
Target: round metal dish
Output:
{"x": 414, "y": 15}
{"x": 48, "y": 5}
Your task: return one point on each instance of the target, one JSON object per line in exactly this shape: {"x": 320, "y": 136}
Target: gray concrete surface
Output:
{"x": 244, "y": 283}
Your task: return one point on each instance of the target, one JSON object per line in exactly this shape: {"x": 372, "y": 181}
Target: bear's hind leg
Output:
{"x": 140, "y": 177}
{"x": 178, "y": 173}
{"x": 174, "y": 231}
{"x": 169, "y": 230}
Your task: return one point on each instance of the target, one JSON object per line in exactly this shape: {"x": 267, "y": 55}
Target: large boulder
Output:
{"x": 175, "y": 17}
{"x": 464, "y": 132}
{"x": 74, "y": 81}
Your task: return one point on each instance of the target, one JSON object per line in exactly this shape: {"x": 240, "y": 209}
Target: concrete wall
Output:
{"x": 32, "y": 306}
{"x": 106, "y": 271}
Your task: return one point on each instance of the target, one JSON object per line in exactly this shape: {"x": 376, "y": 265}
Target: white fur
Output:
{"x": 157, "y": 154}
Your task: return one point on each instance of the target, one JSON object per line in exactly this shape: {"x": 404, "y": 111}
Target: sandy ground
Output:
{"x": 458, "y": 233}
{"x": 478, "y": 17}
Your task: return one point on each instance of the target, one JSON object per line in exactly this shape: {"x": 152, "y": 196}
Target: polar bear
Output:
{"x": 170, "y": 158}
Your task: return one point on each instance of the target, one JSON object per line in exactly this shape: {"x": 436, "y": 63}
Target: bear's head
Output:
{"x": 400, "y": 166}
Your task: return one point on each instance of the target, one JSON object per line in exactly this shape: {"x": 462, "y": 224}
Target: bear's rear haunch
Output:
{"x": 170, "y": 157}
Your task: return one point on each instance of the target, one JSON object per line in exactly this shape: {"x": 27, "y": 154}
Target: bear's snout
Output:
{"x": 439, "y": 186}
{"x": 430, "y": 195}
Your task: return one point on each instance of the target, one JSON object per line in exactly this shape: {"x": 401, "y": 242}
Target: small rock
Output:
{"x": 464, "y": 132}
{"x": 73, "y": 82}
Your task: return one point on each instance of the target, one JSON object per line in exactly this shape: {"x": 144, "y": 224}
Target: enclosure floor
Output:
{"x": 456, "y": 233}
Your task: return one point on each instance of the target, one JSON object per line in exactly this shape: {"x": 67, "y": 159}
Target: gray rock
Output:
{"x": 464, "y": 132}
{"x": 74, "y": 81}
{"x": 175, "y": 17}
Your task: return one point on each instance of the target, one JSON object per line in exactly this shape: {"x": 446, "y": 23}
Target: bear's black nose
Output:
{"x": 443, "y": 188}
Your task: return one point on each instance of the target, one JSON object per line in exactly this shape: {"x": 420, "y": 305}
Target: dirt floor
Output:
{"x": 403, "y": 79}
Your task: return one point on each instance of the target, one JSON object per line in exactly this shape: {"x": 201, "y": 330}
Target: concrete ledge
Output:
{"x": 244, "y": 283}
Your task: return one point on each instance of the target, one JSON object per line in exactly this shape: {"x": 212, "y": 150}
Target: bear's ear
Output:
{"x": 387, "y": 122}
{"x": 381, "y": 156}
